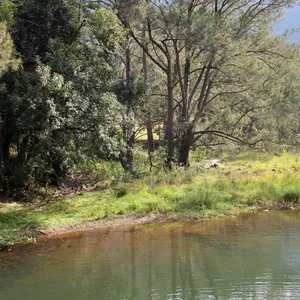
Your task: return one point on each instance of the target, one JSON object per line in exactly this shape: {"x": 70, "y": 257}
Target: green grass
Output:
{"x": 243, "y": 182}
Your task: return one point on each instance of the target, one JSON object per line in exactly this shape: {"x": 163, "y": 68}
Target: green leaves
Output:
{"x": 7, "y": 8}
{"x": 6, "y": 50}
{"x": 106, "y": 28}
{"x": 91, "y": 73}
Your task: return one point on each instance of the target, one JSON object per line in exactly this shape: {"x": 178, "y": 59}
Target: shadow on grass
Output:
{"x": 17, "y": 224}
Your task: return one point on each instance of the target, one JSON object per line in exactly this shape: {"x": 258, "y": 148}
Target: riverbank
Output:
{"x": 242, "y": 183}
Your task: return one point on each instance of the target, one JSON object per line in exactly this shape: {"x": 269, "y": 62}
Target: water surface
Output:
{"x": 253, "y": 257}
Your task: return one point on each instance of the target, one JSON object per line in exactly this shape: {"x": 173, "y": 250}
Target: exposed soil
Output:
{"x": 126, "y": 221}
{"x": 74, "y": 185}
{"x": 135, "y": 220}
{"x": 41, "y": 235}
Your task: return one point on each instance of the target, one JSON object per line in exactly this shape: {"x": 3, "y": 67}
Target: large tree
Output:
{"x": 59, "y": 104}
{"x": 217, "y": 57}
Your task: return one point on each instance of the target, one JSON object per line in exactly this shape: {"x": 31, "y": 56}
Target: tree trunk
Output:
{"x": 24, "y": 148}
{"x": 170, "y": 125}
{"x": 150, "y": 137}
{"x": 148, "y": 121}
{"x": 1, "y": 146}
{"x": 185, "y": 144}
{"x": 5, "y": 148}
{"x": 150, "y": 142}
{"x": 126, "y": 158}
{"x": 5, "y": 162}
{"x": 128, "y": 66}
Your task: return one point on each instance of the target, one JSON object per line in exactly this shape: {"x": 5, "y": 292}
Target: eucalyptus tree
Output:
{"x": 216, "y": 56}
{"x": 280, "y": 122}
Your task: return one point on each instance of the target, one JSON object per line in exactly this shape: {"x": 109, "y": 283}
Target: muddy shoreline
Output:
{"x": 40, "y": 235}
{"x": 64, "y": 232}
{"x": 126, "y": 221}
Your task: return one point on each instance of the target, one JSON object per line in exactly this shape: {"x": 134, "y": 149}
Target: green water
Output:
{"x": 255, "y": 257}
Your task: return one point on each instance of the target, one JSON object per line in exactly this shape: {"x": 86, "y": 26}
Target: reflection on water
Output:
{"x": 254, "y": 257}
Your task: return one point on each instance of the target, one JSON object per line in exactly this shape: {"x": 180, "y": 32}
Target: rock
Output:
{"x": 214, "y": 163}
{"x": 198, "y": 167}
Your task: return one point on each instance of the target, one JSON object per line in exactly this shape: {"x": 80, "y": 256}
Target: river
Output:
{"x": 249, "y": 257}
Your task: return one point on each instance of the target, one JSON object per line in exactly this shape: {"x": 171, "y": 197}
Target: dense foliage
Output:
{"x": 80, "y": 80}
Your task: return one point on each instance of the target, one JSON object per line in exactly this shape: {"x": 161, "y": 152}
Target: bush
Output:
{"x": 291, "y": 197}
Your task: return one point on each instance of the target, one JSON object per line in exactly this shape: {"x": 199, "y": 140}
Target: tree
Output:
{"x": 129, "y": 87}
{"x": 60, "y": 101}
{"x": 6, "y": 50}
{"x": 209, "y": 52}
{"x": 6, "y": 61}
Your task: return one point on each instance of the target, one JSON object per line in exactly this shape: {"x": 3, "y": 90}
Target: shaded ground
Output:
{"x": 75, "y": 185}
{"x": 3, "y": 199}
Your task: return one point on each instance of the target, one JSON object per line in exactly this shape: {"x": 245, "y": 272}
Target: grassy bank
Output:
{"x": 242, "y": 182}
